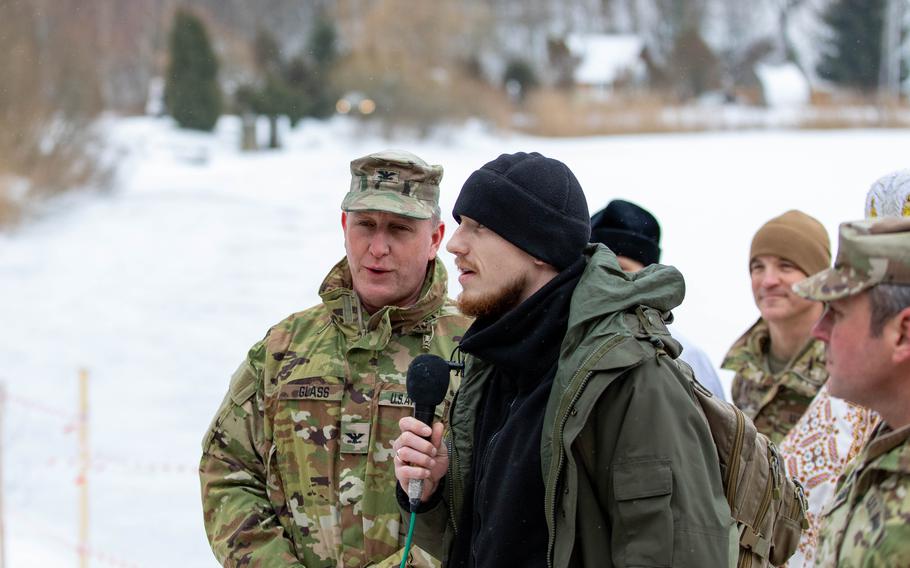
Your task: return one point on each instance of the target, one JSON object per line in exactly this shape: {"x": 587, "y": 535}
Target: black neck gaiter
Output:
{"x": 503, "y": 520}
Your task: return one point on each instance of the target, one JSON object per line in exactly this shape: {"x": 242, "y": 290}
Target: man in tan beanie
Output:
{"x": 779, "y": 367}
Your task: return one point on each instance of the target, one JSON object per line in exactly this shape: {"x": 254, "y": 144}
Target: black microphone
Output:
{"x": 427, "y": 383}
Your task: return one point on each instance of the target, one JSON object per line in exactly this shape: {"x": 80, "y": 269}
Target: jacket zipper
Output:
{"x": 453, "y": 468}
{"x": 556, "y": 466}
{"x": 551, "y": 497}
{"x": 453, "y": 461}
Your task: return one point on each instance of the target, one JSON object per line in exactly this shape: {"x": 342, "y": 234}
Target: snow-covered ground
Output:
{"x": 159, "y": 287}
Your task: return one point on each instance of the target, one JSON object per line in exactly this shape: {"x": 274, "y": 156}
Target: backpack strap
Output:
{"x": 750, "y": 539}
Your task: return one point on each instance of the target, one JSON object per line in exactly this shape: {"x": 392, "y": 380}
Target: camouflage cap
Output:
{"x": 869, "y": 253}
{"x": 395, "y": 181}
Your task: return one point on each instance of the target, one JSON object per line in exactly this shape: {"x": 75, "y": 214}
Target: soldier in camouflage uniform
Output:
{"x": 297, "y": 466}
{"x": 866, "y": 327}
{"x": 779, "y": 367}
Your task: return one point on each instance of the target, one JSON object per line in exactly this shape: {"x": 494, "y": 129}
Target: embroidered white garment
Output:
{"x": 826, "y": 437}
{"x": 889, "y": 196}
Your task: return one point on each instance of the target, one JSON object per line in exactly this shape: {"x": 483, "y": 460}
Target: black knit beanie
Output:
{"x": 628, "y": 230}
{"x": 532, "y": 201}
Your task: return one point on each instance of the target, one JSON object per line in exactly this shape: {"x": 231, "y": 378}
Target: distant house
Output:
{"x": 606, "y": 62}
{"x": 783, "y": 85}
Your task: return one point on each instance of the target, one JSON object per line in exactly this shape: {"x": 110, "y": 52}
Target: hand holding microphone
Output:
{"x": 421, "y": 459}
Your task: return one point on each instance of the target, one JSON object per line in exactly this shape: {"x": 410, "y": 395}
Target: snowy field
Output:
{"x": 159, "y": 287}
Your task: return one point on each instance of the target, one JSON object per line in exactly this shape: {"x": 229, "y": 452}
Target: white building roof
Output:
{"x": 784, "y": 85}
{"x": 603, "y": 56}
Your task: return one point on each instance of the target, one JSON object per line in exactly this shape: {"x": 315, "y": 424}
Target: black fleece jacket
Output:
{"x": 505, "y": 523}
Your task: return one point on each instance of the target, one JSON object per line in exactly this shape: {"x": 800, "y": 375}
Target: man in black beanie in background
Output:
{"x": 575, "y": 439}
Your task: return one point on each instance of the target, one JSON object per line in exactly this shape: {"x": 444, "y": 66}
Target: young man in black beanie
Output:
{"x": 574, "y": 439}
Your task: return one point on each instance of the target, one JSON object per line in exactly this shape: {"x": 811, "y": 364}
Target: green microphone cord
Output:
{"x": 407, "y": 542}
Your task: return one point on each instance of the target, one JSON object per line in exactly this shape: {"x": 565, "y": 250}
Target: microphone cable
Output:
{"x": 407, "y": 543}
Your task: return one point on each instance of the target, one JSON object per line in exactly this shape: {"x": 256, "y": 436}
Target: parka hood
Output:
{"x": 605, "y": 294}
{"x": 605, "y": 289}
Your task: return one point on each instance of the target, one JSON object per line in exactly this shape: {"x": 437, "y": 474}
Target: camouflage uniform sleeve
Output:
{"x": 893, "y": 547}
{"x": 240, "y": 521}
{"x": 430, "y": 523}
{"x": 875, "y": 530}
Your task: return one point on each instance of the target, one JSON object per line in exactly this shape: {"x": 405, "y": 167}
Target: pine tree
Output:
{"x": 295, "y": 87}
{"x": 852, "y": 57}
{"x": 271, "y": 96}
{"x": 192, "y": 94}
{"x": 322, "y": 48}
{"x": 322, "y": 44}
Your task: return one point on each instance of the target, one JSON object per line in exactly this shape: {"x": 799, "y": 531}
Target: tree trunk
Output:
{"x": 248, "y": 133}
{"x": 274, "y": 142}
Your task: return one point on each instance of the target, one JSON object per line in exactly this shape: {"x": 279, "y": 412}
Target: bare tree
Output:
{"x": 785, "y": 9}
{"x": 890, "y": 69}
{"x": 51, "y": 95}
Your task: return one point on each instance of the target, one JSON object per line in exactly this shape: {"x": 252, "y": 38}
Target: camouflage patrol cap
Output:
{"x": 395, "y": 181}
{"x": 869, "y": 253}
